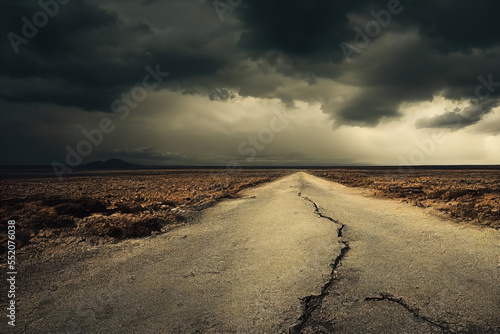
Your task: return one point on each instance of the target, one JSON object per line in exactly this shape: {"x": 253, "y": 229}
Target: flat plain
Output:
{"x": 102, "y": 207}
{"x": 300, "y": 254}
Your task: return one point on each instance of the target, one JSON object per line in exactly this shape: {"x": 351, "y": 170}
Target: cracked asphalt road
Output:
{"x": 406, "y": 271}
{"x": 242, "y": 268}
{"x": 263, "y": 264}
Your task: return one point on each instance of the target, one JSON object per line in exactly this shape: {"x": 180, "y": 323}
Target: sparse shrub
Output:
{"x": 128, "y": 207}
{"x": 134, "y": 229}
{"x": 169, "y": 203}
{"x": 115, "y": 232}
{"x": 80, "y": 207}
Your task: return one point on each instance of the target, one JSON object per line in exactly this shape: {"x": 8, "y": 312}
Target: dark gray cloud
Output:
{"x": 93, "y": 51}
{"x": 296, "y": 28}
{"x": 459, "y": 118}
{"x": 454, "y": 44}
{"x": 305, "y": 28}
{"x": 412, "y": 72}
{"x": 86, "y": 56}
{"x": 221, "y": 94}
{"x": 455, "y": 25}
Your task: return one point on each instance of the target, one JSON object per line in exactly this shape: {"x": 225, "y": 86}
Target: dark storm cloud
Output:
{"x": 456, "y": 25}
{"x": 307, "y": 28}
{"x": 85, "y": 56}
{"x": 221, "y": 94}
{"x": 459, "y": 118}
{"x": 368, "y": 107}
{"x": 412, "y": 72}
{"x": 296, "y": 28}
{"x": 454, "y": 45}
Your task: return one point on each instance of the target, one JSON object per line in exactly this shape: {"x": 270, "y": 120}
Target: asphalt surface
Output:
{"x": 263, "y": 264}
{"x": 406, "y": 270}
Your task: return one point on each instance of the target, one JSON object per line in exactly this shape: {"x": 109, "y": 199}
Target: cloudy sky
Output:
{"x": 253, "y": 82}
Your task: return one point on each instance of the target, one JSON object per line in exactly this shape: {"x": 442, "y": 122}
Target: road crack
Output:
{"x": 413, "y": 310}
{"x": 311, "y": 303}
{"x": 316, "y": 210}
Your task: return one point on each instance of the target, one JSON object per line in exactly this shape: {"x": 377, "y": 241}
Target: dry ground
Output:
{"x": 112, "y": 206}
{"x": 109, "y": 206}
{"x": 280, "y": 256}
{"x": 471, "y": 195}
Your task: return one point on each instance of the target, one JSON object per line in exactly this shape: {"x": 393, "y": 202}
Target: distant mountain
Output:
{"x": 112, "y": 164}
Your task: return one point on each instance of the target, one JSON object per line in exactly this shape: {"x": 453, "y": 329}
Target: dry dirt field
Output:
{"x": 470, "y": 195}
{"x": 110, "y": 206}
